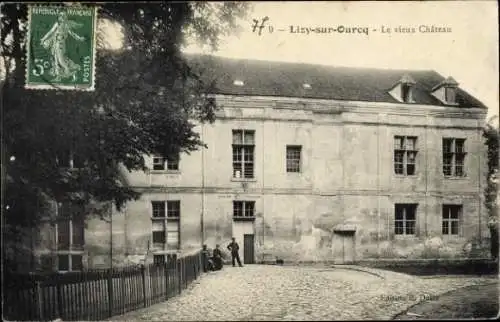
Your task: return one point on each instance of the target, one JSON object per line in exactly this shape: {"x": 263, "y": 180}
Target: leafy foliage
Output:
{"x": 145, "y": 101}
{"x": 491, "y": 135}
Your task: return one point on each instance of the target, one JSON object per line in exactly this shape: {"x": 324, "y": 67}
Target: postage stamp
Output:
{"x": 61, "y": 48}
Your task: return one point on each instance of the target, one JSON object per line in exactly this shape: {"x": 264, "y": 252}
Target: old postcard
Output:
{"x": 274, "y": 161}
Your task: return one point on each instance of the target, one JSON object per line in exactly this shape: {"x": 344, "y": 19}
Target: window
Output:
{"x": 173, "y": 164}
{"x": 173, "y": 209}
{"x": 449, "y": 93}
{"x": 158, "y": 209}
{"x": 159, "y": 163}
{"x": 159, "y": 259}
{"x": 451, "y": 219}
{"x": 405, "y": 219}
{"x": 166, "y": 225}
{"x": 293, "y": 158}
{"x": 243, "y": 153}
{"x": 454, "y": 157}
{"x": 173, "y": 224}
{"x": 405, "y": 154}
{"x": 406, "y": 92}
{"x": 70, "y": 229}
{"x": 244, "y": 210}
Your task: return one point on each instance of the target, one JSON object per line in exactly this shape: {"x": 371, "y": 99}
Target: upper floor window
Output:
{"x": 454, "y": 157}
{"x": 405, "y": 154}
{"x": 293, "y": 153}
{"x": 70, "y": 229}
{"x": 162, "y": 163}
{"x": 451, "y": 219}
{"x": 243, "y": 209}
{"x": 450, "y": 94}
{"x": 405, "y": 219}
{"x": 406, "y": 92}
{"x": 243, "y": 153}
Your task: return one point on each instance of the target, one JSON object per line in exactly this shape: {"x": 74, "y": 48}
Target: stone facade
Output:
{"x": 347, "y": 179}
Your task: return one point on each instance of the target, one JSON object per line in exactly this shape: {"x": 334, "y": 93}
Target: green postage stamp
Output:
{"x": 61, "y": 47}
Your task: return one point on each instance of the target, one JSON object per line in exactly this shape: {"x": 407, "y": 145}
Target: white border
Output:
{"x": 61, "y": 87}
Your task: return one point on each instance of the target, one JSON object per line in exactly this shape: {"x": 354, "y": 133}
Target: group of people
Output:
{"x": 215, "y": 262}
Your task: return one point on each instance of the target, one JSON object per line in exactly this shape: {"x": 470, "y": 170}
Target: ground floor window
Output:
{"x": 451, "y": 219}
{"x": 405, "y": 219}
{"x": 159, "y": 259}
{"x": 70, "y": 232}
{"x": 166, "y": 224}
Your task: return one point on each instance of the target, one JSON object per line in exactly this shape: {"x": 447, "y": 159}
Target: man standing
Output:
{"x": 234, "y": 248}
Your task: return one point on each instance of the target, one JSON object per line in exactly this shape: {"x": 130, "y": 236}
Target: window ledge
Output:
{"x": 166, "y": 252}
{"x": 451, "y": 237}
{"x": 456, "y": 178}
{"x": 405, "y": 236}
{"x": 165, "y": 218}
{"x": 164, "y": 171}
{"x": 244, "y": 179}
{"x": 70, "y": 252}
{"x": 413, "y": 176}
{"x": 243, "y": 218}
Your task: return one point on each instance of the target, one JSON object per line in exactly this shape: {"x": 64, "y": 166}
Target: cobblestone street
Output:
{"x": 260, "y": 292}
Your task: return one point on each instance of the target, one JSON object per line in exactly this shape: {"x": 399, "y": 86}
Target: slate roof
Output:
{"x": 272, "y": 78}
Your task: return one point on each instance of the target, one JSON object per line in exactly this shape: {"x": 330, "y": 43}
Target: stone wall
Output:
{"x": 347, "y": 178}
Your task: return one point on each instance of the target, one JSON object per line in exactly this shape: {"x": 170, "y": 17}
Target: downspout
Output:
{"x": 426, "y": 152}
{"x": 263, "y": 186}
{"x": 479, "y": 185}
{"x": 378, "y": 183}
{"x": 202, "y": 186}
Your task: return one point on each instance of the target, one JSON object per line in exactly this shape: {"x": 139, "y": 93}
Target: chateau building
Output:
{"x": 305, "y": 163}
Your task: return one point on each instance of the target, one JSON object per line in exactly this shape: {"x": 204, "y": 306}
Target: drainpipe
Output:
{"x": 378, "y": 184}
{"x": 479, "y": 184}
{"x": 202, "y": 186}
{"x": 263, "y": 186}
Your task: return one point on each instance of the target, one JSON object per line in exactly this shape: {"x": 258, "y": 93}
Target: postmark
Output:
{"x": 61, "y": 47}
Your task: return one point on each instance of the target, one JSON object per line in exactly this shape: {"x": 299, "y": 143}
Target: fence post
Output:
{"x": 143, "y": 275}
{"x": 60, "y": 310}
{"x": 179, "y": 271}
{"x": 39, "y": 299}
{"x": 110, "y": 292}
{"x": 165, "y": 267}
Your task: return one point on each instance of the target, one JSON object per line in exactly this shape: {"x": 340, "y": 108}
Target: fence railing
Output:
{"x": 96, "y": 294}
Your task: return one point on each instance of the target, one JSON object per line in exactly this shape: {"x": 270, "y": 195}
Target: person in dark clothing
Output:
{"x": 234, "y": 248}
{"x": 207, "y": 262}
{"x": 217, "y": 258}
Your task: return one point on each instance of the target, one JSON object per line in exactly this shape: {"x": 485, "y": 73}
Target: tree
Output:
{"x": 492, "y": 137}
{"x": 145, "y": 100}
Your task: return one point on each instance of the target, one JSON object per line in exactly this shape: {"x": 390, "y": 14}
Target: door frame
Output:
{"x": 245, "y": 260}
{"x": 351, "y": 234}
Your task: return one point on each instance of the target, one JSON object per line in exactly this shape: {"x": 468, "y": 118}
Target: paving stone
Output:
{"x": 275, "y": 293}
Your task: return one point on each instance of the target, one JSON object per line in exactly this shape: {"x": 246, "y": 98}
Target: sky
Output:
{"x": 468, "y": 53}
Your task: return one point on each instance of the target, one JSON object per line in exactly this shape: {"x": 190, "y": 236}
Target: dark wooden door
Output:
{"x": 248, "y": 249}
